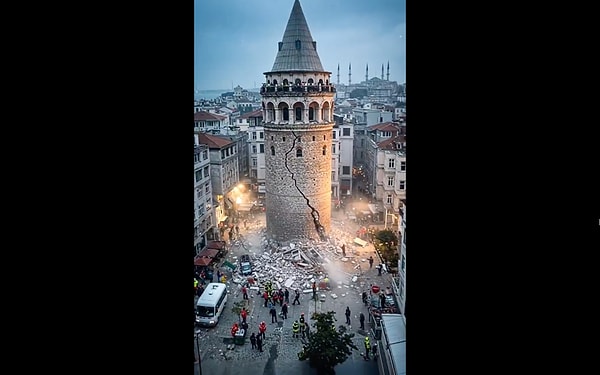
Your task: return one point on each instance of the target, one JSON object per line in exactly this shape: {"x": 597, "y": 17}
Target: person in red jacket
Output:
{"x": 266, "y": 297}
{"x": 234, "y": 329}
{"x": 244, "y": 314}
{"x": 262, "y": 328}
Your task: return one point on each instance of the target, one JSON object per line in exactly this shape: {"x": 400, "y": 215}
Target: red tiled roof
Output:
{"x": 389, "y": 126}
{"x": 203, "y": 116}
{"x": 390, "y": 144}
{"x": 213, "y": 141}
{"x": 257, "y": 113}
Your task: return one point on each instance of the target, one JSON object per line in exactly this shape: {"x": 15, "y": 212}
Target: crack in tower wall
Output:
{"x": 298, "y": 188}
{"x": 313, "y": 211}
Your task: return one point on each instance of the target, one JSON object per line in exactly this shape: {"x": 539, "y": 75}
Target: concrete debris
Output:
{"x": 295, "y": 265}
{"x": 333, "y": 295}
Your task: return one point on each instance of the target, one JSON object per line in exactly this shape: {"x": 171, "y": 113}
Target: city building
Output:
{"x": 402, "y": 262}
{"x": 392, "y": 347}
{"x": 298, "y": 104}
{"x": 204, "y": 219}
{"x": 224, "y": 175}
{"x": 251, "y": 123}
{"x": 211, "y": 123}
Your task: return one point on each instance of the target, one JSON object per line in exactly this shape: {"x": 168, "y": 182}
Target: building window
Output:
{"x": 284, "y": 139}
{"x": 262, "y": 148}
{"x": 222, "y": 154}
{"x": 391, "y": 163}
{"x": 311, "y": 114}
{"x": 346, "y": 132}
{"x": 272, "y": 151}
{"x": 324, "y": 150}
{"x": 403, "y": 261}
{"x": 333, "y": 149}
{"x": 323, "y": 137}
{"x": 254, "y": 149}
{"x": 346, "y": 169}
{"x": 206, "y": 170}
{"x": 313, "y": 138}
{"x": 334, "y": 134}
{"x": 389, "y": 199}
{"x": 299, "y": 139}
{"x": 254, "y": 160}
{"x": 299, "y": 152}
{"x": 261, "y": 135}
{"x": 207, "y": 188}
{"x": 402, "y": 165}
{"x": 390, "y": 181}
{"x": 286, "y": 114}
{"x": 402, "y": 185}
{"x": 271, "y": 137}
{"x": 198, "y": 175}
{"x": 254, "y": 135}
{"x": 204, "y": 155}
{"x": 298, "y": 113}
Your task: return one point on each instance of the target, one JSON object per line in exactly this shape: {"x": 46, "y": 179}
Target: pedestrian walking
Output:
{"x": 259, "y": 342}
{"x": 284, "y": 310}
{"x": 362, "y": 321}
{"x": 237, "y": 230}
{"x": 273, "y": 313}
{"x": 296, "y": 298}
{"x": 371, "y": 262}
{"x": 344, "y": 250}
{"x": 307, "y": 330}
{"x": 253, "y": 340}
{"x": 245, "y": 224}
{"x": 262, "y": 328}
{"x": 244, "y": 292}
{"x": 287, "y": 295}
{"x": 348, "y": 315}
{"x": 379, "y": 267}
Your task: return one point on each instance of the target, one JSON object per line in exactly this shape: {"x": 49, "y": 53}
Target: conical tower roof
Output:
{"x": 297, "y": 50}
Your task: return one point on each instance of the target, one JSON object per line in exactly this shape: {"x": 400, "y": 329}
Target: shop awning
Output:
{"x": 215, "y": 245}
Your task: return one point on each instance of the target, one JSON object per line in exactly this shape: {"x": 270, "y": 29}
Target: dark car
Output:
{"x": 245, "y": 265}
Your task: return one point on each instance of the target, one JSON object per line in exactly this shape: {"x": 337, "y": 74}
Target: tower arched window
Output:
{"x": 272, "y": 151}
{"x": 313, "y": 138}
{"x": 311, "y": 81}
{"x": 285, "y": 82}
{"x": 298, "y": 44}
{"x": 275, "y": 82}
{"x": 324, "y": 150}
{"x": 298, "y": 114}
{"x": 311, "y": 114}
{"x": 299, "y": 152}
{"x": 297, "y": 81}
{"x": 323, "y": 137}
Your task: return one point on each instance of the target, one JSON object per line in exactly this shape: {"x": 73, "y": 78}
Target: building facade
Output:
{"x": 298, "y": 101}
{"x": 204, "y": 220}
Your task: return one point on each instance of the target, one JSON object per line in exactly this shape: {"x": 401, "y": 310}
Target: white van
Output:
{"x": 211, "y": 304}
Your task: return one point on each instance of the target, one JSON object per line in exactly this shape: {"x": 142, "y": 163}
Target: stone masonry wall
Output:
{"x": 287, "y": 212}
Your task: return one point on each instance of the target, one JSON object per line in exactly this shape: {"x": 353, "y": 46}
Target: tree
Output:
{"x": 327, "y": 345}
{"x": 386, "y": 242}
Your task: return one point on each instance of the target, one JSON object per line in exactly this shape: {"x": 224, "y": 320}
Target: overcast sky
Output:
{"x": 235, "y": 41}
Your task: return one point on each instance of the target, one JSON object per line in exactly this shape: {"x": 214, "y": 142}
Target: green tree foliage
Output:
{"x": 386, "y": 242}
{"x": 327, "y": 346}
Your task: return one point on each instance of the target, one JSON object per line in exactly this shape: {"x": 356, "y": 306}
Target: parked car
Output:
{"x": 245, "y": 265}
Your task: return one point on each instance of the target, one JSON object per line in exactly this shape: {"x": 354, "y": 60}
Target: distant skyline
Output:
{"x": 235, "y": 41}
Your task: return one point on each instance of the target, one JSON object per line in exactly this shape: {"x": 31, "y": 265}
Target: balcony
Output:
{"x": 295, "y": 90}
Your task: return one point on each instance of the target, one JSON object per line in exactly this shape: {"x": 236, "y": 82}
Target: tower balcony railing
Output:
{"x": 296, "y": 89}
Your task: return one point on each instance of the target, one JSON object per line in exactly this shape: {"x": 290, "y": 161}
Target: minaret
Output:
{"x": 297, "y": 101}
{"x": 367, "y": 75}
{"x": 349, "y": 74}
{"x": 382, "y": 72}
{"x": 388, "y": 71}
{"x": 338, "y": 75}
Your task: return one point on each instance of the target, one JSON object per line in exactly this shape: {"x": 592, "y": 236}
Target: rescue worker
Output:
{"x": 367, "y": 347}
{"x": 295, "y": 329}
{"x": 244, "y": 314}
{"x": 262, "y": 328}
{"x": 302, "y": 318}
{"x": 266, "y": 297}
{"x": 234, "y": 329}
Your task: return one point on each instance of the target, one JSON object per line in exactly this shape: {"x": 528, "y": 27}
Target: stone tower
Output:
{"x": 297, "y": 101}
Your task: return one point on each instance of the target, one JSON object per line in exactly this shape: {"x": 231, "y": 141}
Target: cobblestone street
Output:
{"x": 280, "y": 349}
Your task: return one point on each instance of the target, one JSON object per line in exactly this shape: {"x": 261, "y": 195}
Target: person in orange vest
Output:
{"x": 234, "y": 329}
{"x": 262, "y": 328}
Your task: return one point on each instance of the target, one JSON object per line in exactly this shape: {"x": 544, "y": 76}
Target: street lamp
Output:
{"x": 197, "y": 339}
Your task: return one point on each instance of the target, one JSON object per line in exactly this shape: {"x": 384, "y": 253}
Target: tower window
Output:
{"x": 323, "y": 137}
{"x": 272, "y": 151}
{"x": 298, "y": 113}
{"x": 298, "y": 44}
{"x": 324, "y": 150}
{"x": 284, "y": 139}
{"x": 299, "y": 152}
{"x": 313, "y": 138}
